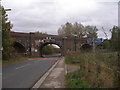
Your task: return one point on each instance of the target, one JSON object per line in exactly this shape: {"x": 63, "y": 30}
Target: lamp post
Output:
{"x": 118, "y": 42}
{"x": 119, "y": 29}
{"x": 7, "y": 9}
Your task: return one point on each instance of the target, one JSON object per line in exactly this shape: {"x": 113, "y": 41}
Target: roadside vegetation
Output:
{"x": 50, "y": 49}
{"x": 14, "y": 60}
{"x": 8, "y": 52}
{"x": 76, "y": 80}
{"x": 7, "y": 42}
{"x": 99, "y": 68}
{"x": 96, "y": 70}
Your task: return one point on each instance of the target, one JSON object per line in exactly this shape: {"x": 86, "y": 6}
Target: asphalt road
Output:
{"x": 24, "y": 74}
{"x": 53, "y": 55}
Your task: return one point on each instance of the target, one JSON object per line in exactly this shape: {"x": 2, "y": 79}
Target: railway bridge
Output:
{"x": 33, "y": 43}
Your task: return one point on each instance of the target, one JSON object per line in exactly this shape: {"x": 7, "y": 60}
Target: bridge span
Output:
{"x": 33, "y": 43}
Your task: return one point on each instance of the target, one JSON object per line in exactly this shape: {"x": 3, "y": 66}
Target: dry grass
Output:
{"x": 99, "y": 68}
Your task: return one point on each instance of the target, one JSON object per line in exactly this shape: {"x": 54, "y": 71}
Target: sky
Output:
{"x": 48, "y": 15}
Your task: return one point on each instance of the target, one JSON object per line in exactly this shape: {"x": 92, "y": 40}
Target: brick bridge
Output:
{"x": 32, "y": 43}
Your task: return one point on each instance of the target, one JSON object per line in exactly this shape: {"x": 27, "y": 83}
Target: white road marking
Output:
{"x": 22, "y": 66}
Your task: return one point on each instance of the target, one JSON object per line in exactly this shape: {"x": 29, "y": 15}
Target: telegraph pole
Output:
{"x": 118, "y": 43}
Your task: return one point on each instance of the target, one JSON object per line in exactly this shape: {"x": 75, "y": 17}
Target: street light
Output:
{"x": 7, "y": 9}
{"x": 118, "y": 41}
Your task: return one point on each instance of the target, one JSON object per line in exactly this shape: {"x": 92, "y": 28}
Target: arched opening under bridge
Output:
{"x": 19, "y": 48}
{"x": 86, "y": 47}
{"x": 50, "y": 49}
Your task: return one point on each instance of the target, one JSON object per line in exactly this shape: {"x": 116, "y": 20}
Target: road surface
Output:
{"x": 25, "y": 74}
{"x": 52, "y": 55}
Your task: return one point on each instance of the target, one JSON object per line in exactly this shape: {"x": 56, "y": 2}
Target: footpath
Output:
{"x": 56, "y": 78}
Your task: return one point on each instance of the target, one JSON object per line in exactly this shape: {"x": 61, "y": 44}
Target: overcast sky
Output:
{"x": 49, "y": 15}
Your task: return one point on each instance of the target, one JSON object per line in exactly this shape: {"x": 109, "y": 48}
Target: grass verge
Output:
{"x": 72, "y": 58}
{"x": 76, "y": 80}
{"x": 14, "y": 60}
{"x": 97, "y": 69}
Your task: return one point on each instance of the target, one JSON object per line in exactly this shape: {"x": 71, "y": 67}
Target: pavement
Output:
{"x": 56, "y": 78}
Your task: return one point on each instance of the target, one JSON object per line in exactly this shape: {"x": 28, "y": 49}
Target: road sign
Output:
{"x": 95, "y": 40}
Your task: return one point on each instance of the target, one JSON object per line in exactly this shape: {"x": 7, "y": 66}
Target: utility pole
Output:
{"x": 118, "y": 42}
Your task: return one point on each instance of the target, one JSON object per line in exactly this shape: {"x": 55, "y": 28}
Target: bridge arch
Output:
{"x": 47, "y": 43}
{"x": 19, "y": 48}
{"x": 86, "y": 47}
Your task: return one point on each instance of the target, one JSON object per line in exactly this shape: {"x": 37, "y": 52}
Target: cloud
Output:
{"x": 49, "y": 15}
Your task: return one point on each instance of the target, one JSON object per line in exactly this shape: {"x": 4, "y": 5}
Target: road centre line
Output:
{"x": 22, "y": 66}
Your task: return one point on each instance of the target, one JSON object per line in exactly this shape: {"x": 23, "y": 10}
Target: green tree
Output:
{"x": 50, "y": 49}
{"x": 65, "y": 30}
{"x": 6, "y": 38}
{"x": 106, "y": 44}
{"x": 77, "y": 29}
{"x": 115, "y": 39}
{"x": 47, "y": 50}
{"x": 115, "y": 42}
{"x": 91, "y": 31}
